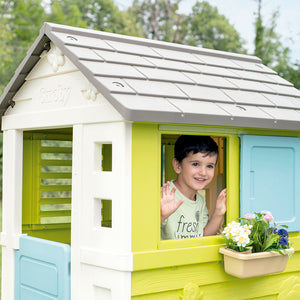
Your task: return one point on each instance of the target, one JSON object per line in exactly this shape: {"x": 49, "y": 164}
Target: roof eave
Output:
{"x": 18, "y": 79}
{"x": 211, "y": 120}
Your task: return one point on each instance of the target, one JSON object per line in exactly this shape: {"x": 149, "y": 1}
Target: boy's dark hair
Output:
{"x": 194, "y": 143}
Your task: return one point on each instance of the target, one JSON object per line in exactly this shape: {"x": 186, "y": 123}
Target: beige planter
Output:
{"x": 244, "y": 265}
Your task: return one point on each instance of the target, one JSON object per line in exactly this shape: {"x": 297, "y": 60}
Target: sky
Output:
{"x": 241, "y": 14}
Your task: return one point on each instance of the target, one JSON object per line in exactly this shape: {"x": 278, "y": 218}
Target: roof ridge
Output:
{"x": 48, "y": 27}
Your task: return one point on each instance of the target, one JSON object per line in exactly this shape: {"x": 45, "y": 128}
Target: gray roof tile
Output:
{"x": 155, "y": 81}
{"x": 176, "y": 55}
{"x": 283, "y": 114}
{"x": 254, "y": 76}
{"x": 198, "y": 92}
{"x": 155, "y": 88}
{"x": 250, "y": 85}
{"x": 283, "y": 101}
{"x": 250, "y": 98}
{"x": 115, "y": 85}
{"x": 218, "y": 61}
{"x": 198, "y": 107}
{"x": 82, "y": 41}
{"x": 258, "y": 67}
{"x": 122, "y": 58}
{"x": 164, "y": 75}
{"x": 284, "y": 90}
{"x": 171, "y": 64}
{"x": 84, "y": 53}
{"x": 210, "y": 80}
{"x": 278, "y": 79}
{"x": 142, "y": 103}
{"x": 112, "y": 69}
{"x": 215, "y": 70}
{"x": 244, "y": 111}
{"x": 124, "y": 47}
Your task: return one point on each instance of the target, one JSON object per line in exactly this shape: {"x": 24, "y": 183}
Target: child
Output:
{"x": 183, "y": 210}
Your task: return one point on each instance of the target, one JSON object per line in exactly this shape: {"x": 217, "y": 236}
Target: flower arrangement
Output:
{"x": 256, "y": 232}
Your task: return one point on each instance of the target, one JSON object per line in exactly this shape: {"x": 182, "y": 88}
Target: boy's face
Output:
{"x": 195, "y": 172}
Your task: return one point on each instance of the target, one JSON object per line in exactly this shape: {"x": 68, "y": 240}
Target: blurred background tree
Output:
{"x": 159, "y": 20}
{"x": 270, "y": 48}
{"x": 209, "y": 29}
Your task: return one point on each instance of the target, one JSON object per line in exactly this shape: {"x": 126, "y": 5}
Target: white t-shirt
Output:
{"x": 188, "y": 221}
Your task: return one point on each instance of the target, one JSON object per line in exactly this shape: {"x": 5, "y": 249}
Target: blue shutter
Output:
{"x": 270, "y": 177}
{"x": 42, "y": 270}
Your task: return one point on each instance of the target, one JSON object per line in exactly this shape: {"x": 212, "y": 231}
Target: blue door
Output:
{"x": 270, "y": 177}
{"x": 42, "y": 270}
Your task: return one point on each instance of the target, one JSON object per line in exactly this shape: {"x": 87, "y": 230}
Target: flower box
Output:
{"x": 244, "y": 265}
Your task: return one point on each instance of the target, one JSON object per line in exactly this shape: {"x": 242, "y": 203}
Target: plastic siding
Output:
{"x": 166, "y": 269}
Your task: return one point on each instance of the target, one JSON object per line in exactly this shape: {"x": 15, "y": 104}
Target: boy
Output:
{"x": 183, "y": 210}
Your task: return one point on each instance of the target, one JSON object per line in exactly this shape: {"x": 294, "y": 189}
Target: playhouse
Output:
{"x": 89, "y": 121}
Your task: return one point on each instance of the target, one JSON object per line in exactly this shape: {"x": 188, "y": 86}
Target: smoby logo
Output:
{"x": 59, "y": 95}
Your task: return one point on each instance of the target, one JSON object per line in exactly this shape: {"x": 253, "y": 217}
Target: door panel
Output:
{"x": 42, "y": 270}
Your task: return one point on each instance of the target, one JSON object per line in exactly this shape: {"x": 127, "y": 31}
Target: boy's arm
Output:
{"x": 217, "y": 218}
{"x": 167, "y": 202}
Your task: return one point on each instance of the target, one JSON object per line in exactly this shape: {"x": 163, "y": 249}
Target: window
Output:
{"x": 47, "y": 184}
{"x": 103, "y": 157}
{"x": 210, "y": 193}
{"x": 103, "y": 213}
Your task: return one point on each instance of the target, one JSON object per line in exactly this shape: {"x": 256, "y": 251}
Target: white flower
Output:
{"x": 242, "y": 240}
{"x": 247, "y": 228}
{"x": 238, "y": 233}
{"x": 232, "y": 229}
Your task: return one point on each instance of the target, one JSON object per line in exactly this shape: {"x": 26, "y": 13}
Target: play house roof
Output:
{"x": 154, "y": 81}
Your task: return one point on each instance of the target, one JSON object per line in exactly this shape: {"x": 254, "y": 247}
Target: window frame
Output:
{"x": 232, "y": 161}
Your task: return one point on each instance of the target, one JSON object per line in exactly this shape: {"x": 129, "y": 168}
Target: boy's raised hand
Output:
{"x": 221, "y": 203}
{"x": 217, "y": 218}
{"x": 167, "y": 202}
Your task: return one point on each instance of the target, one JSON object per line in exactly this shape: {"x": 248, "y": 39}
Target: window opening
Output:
{"x": 211, "y": 191}
{"x": 103, "y": 213}
{"x": 103, "y": 157}
{"x": 106, "y": 213}
{"x": 47, "y": 185}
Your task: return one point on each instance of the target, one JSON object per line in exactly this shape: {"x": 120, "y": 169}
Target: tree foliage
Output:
{"x": 159, "y": 19}
{"x": 204, "y": 26}
{"x": 6, "y": 57}
{"x": 20, "y": 22}
{"x": 270, "y": 48}
{"x": 209, "y": 29}
{"x": 61, "y": 13}
{"x": 101, "y": 15}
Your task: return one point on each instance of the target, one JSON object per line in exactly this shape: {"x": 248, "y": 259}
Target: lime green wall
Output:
{"x": 145, "y": 187}
{"x": 162, "y": 269}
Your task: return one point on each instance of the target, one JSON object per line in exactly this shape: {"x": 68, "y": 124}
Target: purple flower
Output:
{"x": 283, "y": 232}
{"x": 283, "y": 241}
